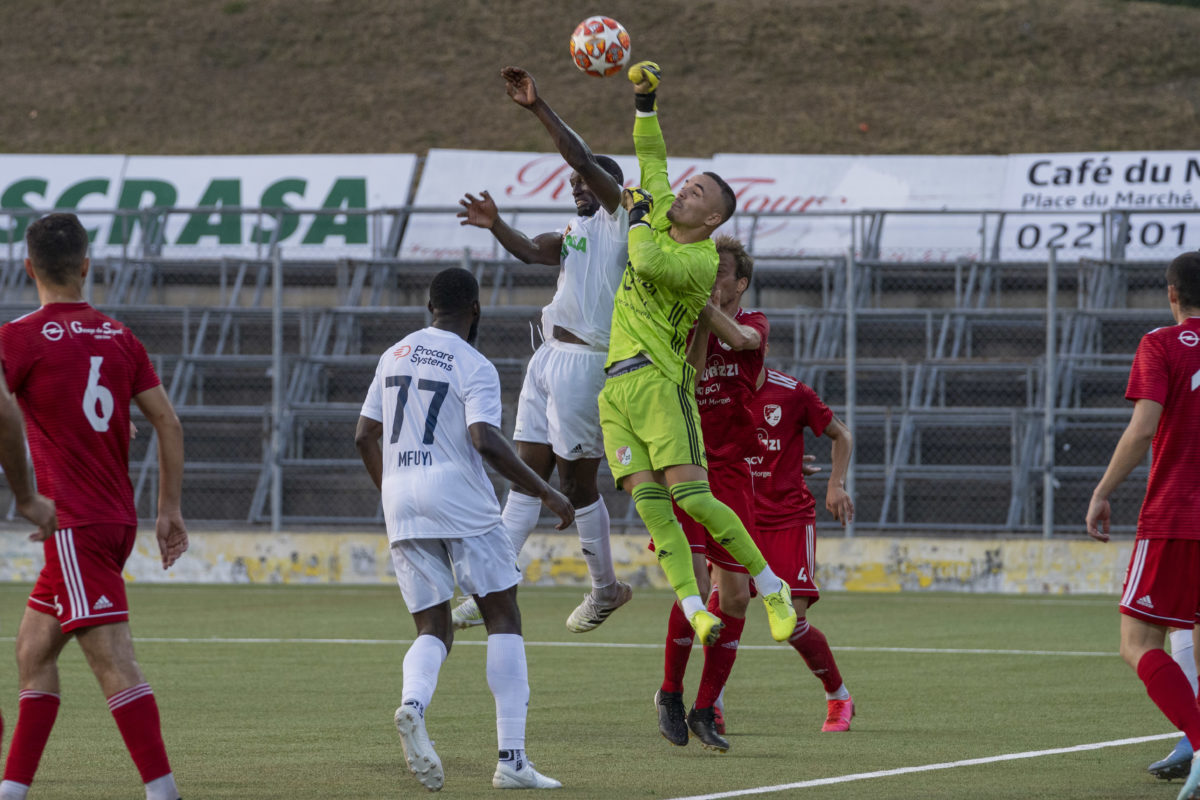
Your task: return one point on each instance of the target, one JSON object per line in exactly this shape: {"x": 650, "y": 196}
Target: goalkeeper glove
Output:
{"x": 648, "y": 74}
{"x": 639, "y": 203}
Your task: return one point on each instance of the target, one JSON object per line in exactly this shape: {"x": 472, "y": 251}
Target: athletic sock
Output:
{"x": 513, "y": 758}
{"x": 136, "y": 715}
{"x": 719, "y": 658}
{"x": 11, "y": 790}
{"x": 422, "y": 663}
{"x": 1183, "y": 655}
{"x": 813, "y": 647}
{"x": 520, "y": 517}
{"x": 508, "y": 678}
{"x": 1168, "y": 688}
{"x": 592, "y": 522}
{"x": 36, "y": 713}
{"x": 697, "y": 501}
{"x": 677, "y": 651}
{"x": 162, "y": 788}
{"x": 653, "y": 504}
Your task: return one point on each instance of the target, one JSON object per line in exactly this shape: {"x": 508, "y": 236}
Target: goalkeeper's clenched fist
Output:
{"x": 645, "y": 76}
{"x": 638, "y": 202}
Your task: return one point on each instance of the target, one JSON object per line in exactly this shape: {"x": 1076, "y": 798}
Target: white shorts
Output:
{"x": 426, "y": 568}
{"x": 558, "y": 404}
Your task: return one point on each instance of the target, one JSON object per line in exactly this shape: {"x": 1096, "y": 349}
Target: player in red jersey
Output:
{"x": 74, "y": 372}
{"x": 727, "y": 351}
{"x": 786, "y": 515}
{"x": 1161, "y": 590}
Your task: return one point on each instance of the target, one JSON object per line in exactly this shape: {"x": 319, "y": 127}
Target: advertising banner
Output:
{"x": 349, "y": 185}
{"x": 827, "y": 188}
{"x": 515, "y": 181}
{"x": 1063, "y": 197}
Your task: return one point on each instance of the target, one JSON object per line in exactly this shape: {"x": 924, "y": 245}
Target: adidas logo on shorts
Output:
{"x": 577, "y": 448}
{"x": 102, "y": 604}
{"x": 1144, "y": 601}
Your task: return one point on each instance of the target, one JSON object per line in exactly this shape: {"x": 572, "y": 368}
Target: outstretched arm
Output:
{"x": 1130, "y": 451}
{"x": 837, "y": 501}
{"x": 497, "y": 452}
{"x": 523, "y": 90}
{"x": 482, "y": 213}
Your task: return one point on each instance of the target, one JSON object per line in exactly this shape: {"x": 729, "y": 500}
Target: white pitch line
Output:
{"x": 612, "y": 645}
{"x": 969, "y": 762}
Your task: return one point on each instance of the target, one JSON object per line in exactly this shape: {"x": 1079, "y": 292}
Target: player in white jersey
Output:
{"x": 430, "y": 419}
{"x": 558, "y": 418}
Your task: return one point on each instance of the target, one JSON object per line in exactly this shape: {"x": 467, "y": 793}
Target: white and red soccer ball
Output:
{"x": 600, "y": 46}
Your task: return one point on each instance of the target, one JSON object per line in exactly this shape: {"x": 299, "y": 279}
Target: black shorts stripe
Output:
{"x": 686, "y": 399}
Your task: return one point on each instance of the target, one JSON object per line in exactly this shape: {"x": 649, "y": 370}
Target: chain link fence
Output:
{"x": 941, "y": 368}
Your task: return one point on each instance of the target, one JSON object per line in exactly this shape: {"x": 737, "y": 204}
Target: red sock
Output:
{"x": 719, "y": 658}
{"x": 36, "y": 713}
{"x": 813, "y": 647}
{"x": 1169, "y": 689}
{"x": 678, "y": 650}
{"x": 136, "y": 714}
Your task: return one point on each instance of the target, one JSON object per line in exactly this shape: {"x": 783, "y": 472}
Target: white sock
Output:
{"x": 162, "y": 788}
{"x": 719, "y": 703}
{"x": 11, "y": 790}
{"x": 520, "y": 517}
{"x": 422, "y": 663}
{"x": 1184, "y": 656}
{"x": 691, "y": 604}
{"x": 508, "y": 678}
{"x": 592, "y": 522}
{"x": 767, "y": 581}
{"x": 841, "y": 694}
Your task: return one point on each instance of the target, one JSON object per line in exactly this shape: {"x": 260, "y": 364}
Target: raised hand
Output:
{"x": 520, "y": 86}
{"x": 478, "y": 211}
{"x": 645, "y": 76}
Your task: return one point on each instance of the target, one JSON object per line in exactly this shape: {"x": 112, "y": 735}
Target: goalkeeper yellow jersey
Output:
{"x": 665, "y": 284}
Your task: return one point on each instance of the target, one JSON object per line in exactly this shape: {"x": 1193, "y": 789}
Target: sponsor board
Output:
{"x": 824, "y": 189}
{"x": 516, "y": 182}
{"x": 866, "y": 564}
{"x": 1063, "y": 197}
{"x": 92, "y": 186}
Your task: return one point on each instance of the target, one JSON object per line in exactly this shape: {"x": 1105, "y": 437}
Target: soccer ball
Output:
{"x": 600, "y": 46}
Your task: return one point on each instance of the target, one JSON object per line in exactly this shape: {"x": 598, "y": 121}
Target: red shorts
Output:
{"x": 1161, "y": 586}
{"x": 792, "y": 554}
{"x": 81, "y": 583}
{"x": 733, "y": 486}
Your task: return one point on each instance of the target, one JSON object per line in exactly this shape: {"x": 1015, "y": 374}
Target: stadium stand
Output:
{"x": 949, "y": 375}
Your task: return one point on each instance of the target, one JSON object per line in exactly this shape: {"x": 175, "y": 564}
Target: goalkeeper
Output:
{"x": 648, "y": 406}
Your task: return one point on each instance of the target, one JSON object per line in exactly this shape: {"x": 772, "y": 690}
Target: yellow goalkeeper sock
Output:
{"x": 697, "y": 501}
{"x": 653, "y": 505}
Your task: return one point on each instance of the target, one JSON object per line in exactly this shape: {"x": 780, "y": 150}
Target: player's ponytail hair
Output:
{"x": 1184, "y": 274}
{"x": 743, "y": 260}
{"x": 57, "y": 245}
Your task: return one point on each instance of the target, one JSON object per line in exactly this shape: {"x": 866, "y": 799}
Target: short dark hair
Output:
{"x": 726, "y": 194}
{"x": 1184, "y": 274}
{"x": 743, "y": 260}
{"x": 453, "y": 291}
{"x": 611, "y": 166}
{"x": 57, "y": 245}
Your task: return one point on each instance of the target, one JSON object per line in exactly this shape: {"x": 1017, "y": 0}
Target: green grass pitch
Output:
{"x": 312, "y": 719}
